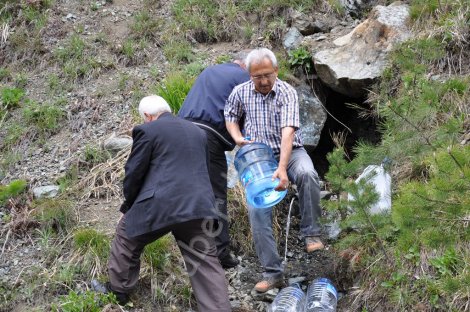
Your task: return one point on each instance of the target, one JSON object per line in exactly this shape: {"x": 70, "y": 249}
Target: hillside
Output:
{"x": 73, "y": 72}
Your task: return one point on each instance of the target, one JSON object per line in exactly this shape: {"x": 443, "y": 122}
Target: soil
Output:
{"x": 98, "y": 108}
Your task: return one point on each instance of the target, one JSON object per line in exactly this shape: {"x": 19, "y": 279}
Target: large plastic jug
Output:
{"x": 256, "y": 164}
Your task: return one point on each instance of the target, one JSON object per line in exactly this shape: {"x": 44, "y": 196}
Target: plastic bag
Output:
{"x": 381, "y": 180}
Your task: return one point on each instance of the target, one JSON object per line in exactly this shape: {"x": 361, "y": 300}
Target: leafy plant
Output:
{"x": 300, "y": 57}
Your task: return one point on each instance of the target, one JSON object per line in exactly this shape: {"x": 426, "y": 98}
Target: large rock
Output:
{"x": 312, "y": 116}
{"x": 360, "y": 57}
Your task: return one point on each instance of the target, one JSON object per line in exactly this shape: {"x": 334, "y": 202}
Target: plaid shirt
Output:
{"x": 267, "y": 114}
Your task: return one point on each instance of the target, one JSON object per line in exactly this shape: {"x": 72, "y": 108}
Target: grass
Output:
{"x": 157, "y": 254}
{"x": 79, "y": 60}
{"x": 56, "y": 214}
{"x": 174, "y": 89}
{"x": 46, "y": 117}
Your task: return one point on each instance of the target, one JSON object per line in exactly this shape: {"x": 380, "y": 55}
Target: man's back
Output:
{"x": 175, "y": 186}
{"x": 206, "y": 99}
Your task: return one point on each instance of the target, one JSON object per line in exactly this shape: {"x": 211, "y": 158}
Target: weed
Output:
{"x": 91, "y": 241}
{"x": 85, "y": 301}
{"x": 45, "y": 236}
{"x": 146, "y": 26}
{"x": 13, "y": 189}
{"x": 195, "y": 68}
{"x": 11, "y": 97}
{"x": 56, "y": 214}
{"x": 69, "y": 179}
{"x": 157, "y": 254}
{"x": 302, "y": 58}
{"x": 174, "y": 89}
{"x": 45, "y": 117}
{"x": 223, "y": 58}
{"x": 178, "y": 51}
{"x": 5, "y": 74}
{"x": 95, "y": 155}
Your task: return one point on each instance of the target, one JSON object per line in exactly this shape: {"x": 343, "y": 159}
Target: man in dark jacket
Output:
{"x": 204, "y": 106}
{"x": 167, "y": 189}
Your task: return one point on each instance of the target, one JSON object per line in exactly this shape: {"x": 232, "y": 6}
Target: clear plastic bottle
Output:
{"x": 321, "y": 296}
{"x": 289, "y": 299}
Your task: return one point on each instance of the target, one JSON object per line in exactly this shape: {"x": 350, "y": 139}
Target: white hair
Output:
{"x": 153, "y": 105}
{"x": 256, "y": 56}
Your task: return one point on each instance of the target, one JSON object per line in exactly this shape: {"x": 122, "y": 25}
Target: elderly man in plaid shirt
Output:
{"x": 271, "y": 111}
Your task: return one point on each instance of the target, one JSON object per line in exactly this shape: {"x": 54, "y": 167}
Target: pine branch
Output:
{"x": 412, "y": 125}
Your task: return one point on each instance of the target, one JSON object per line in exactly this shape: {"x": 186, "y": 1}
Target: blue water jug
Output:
{"x": 255, "y": 164}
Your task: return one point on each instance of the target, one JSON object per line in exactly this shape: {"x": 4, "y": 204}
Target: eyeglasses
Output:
{"x": 265, "y": 76}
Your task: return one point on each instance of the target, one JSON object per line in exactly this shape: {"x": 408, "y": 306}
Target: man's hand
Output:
{"x": 281, "y": 174}
{"x": 240, "y": 141}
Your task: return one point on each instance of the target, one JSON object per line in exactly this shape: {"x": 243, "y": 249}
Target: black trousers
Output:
{"x": 218, "y": 177}
{"x": 195, "y": 239}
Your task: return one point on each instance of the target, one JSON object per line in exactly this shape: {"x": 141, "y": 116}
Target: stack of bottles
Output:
{"x": 321, "y": 297}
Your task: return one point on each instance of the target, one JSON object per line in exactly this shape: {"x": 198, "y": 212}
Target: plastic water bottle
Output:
{"x": 289, "y": 299}
{"x": 232, "y": 175}
{"x": 255, "y": 163}
{"x": 321, "y": 296}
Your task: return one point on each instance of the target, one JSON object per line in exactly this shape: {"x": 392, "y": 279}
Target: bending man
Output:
{"x": 167, "y": 189}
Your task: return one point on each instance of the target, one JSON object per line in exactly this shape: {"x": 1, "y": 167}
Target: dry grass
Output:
{"x": 104, "y": 180}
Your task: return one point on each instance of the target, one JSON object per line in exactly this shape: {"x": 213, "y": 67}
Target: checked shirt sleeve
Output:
{"x": 233, "y": 106}
{"x": 290, "y": 108}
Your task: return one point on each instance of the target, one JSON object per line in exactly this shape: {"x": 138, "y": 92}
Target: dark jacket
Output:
{"x": 204, "y": 104}
{"x": 166, "y": 180}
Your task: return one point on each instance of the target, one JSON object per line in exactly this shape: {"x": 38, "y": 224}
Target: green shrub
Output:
{"x": 95, "y": 155}
{"x": 4, "y": 74}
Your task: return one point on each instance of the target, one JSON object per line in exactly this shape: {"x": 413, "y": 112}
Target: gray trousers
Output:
{"x": 196, "y": 242}
{"x": 302, "y": 173}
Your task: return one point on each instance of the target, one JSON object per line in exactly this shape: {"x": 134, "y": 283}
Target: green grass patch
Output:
{"x": 158, "y": 253}
{"x": 174, "y": 89}
{"x": 55, "y": 213}
{"x": 11, "y": 190}
{"x": 46, "y": 117}
{"x": 11, "y": 97}
{"x": 83, "y": 301}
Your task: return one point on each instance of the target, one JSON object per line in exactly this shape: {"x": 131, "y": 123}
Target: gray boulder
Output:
{"x": 360, "y": 57}
{"x": 312, "y": 115}
{"x": 292, "y": 39}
